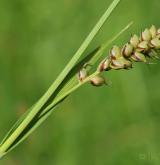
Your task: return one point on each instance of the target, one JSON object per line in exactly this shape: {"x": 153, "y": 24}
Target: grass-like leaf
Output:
{"x": 59, "y": 90}
{"x": 91, "y": 59}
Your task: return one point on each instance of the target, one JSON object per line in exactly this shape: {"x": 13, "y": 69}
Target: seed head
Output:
{"x": 138, "y": 49}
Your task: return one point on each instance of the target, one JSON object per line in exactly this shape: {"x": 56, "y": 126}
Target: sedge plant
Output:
{"x": 77, "y": 73}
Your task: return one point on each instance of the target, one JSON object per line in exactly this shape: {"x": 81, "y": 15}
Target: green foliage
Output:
{"x": 37, "y": 39}
{"x": 41, "y": 110}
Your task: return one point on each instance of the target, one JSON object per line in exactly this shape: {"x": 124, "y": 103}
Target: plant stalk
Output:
{"x": 4, "y": 147}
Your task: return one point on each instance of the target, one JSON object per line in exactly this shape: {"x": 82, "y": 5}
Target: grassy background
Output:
{"x": 94, "y": 126}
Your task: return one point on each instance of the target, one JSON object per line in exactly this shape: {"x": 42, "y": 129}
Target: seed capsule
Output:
{"x": 115, "y": 52}
{"x": 158, "y": 31}
{"x": 155, "y": 43}
{"x": 146, "y": 35}
{"x": 153, "y": 31}
{"x": 116, "y": 64}
{"x": 153, "y": 54}
{"x": 127, "y": 64}
{"x": 143, "y": 46}
{"x": 127, "y": 50}
{"x": 138, "y": 57}
{"x": 134, "y": 41}
{"x": 104, "y": 65}
{"x": 98, "y": 81}
{"x": 82, "y": 74}
{"x": 121, "y": 63}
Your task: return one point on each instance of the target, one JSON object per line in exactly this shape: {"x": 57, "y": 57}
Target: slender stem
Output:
{"x": 61, "y": 97}
{"x": 3, "y": 147}
{"x": 69, "y": 91}
{"x": 58, "y": 81}
{"x": 74, "y": 88}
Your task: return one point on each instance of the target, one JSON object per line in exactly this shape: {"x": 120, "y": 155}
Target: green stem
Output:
{"x": 58, "y": 81}
{"x": 63, "y": 95}
{"x": 9, "y": 141}
{"x": 73, "y": 89}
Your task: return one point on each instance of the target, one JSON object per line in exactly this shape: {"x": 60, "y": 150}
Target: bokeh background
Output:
{"x": 95, "y": 126}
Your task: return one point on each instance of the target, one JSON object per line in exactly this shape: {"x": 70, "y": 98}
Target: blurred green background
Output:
{"x": 94, "y": 126}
